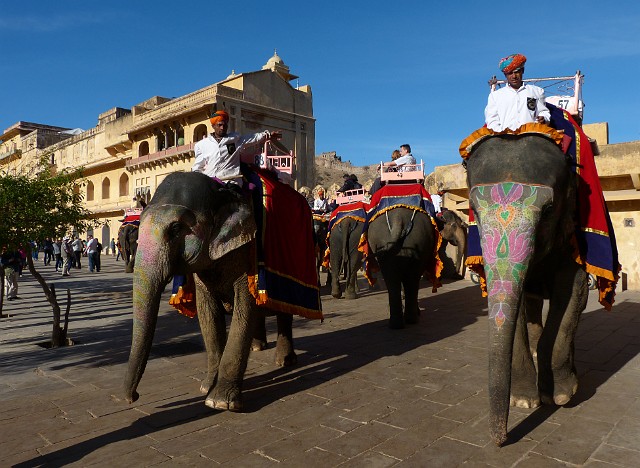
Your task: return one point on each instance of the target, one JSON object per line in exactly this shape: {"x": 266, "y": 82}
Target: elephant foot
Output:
{"x": 225, "y": 398}
{"x": 563, "y": 392}
{"x": 285, "y": 355}
{"x": 132, "y": 397}
{"x": 337, "y": 295}
{"x": 524, "y": 402}
{"x": 206, "y": 385}
{"x": 350, "y": 295}
{"x": 258, "y": 345}
{"x": 290, "y": 359}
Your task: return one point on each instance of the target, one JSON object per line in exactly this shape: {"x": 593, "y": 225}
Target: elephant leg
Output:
{"x": 259, "y": 341}
{"x": 336, "y": 263}
{"x": 533, "y": 309}
{"x": 214, "y": 331}
{"x": 524, "y": 388}
{"x": 350, "y": 290}
{"x": 394, "y": 290}
{"x": 285, "y": 354}
{"x": 227, "y": 391}
{"x": 558, "y": 380}
{"x": 411, "y": 286}
{"x": 460, "y": 251}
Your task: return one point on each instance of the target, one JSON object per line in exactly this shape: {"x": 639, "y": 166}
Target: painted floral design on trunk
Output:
{"x": 508, "y": 214}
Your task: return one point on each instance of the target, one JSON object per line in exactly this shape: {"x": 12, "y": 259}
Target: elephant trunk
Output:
{"x": 508, "y": 218}
{"x": 149, "y": 281}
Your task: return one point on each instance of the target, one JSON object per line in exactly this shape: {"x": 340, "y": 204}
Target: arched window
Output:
{"x": 106, "y": 186}
{"x": 199, "y": 132}
{"x": 89, "y": 191}
{"x": 180, "y": 136}
{"x": 124, "y": 184}
{"x": 143, "y": 149}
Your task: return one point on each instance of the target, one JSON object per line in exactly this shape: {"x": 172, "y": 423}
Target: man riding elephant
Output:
{"x": 203, "y": 233}
{"x": 530, "y": 239}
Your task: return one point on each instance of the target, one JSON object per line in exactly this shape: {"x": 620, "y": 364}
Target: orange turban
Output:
{"x": 219, "y": 116}
{"x": 512, "y": 62}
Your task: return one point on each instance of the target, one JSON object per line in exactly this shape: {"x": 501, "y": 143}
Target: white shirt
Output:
{"x": 320, "y": 204}
{"x": 222, "y": 159}
{"x": 437, "y": 202}
{"x": 92, "y": 245}
{"x": 511, "y": 108}
{"x": 406, "y": 159}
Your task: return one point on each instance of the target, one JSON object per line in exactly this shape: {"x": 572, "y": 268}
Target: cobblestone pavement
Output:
{"x": 360, "y": 395}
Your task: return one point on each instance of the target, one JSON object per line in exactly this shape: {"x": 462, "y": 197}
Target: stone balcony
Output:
{"x": 175, "y": 153}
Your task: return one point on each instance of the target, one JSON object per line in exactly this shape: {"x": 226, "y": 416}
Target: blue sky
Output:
{"x": 382, "y": 73}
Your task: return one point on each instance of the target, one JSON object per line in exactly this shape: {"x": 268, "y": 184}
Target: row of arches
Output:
{"x": 123, "y": 188}
{"x": 170, "y": 137}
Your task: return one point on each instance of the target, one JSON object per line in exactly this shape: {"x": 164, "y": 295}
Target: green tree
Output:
{"x": 36, "y": 206}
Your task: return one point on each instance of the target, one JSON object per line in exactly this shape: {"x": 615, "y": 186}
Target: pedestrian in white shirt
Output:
{"x": 218, "y": 155}
{"x": 320, "y": 203}
{"x": 516, "y": 103}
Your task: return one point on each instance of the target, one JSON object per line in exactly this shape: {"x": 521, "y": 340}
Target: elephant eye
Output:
{"x": 174, "y": 230}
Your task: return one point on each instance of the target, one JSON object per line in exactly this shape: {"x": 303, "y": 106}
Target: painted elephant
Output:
{"x": 194, "y": 225}
{"x": 345, "y": 256}
{"x": 128, "y": 238}
{"x": 522, "y": 192}
{"x": 403, "y": 242}
{"x": 454, "y": 232}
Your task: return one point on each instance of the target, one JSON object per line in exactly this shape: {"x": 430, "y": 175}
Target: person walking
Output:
{"x": 10, "y": 262}
{"x": 91, "y": 251}
{"x": 47, "y": 249}
{"x": 119, "y": 247}
{"x": 67, "y": 254}
{"x": 78, "y": 246}
{"x": 112, "y": 247}
{"x": 57, "y": 253}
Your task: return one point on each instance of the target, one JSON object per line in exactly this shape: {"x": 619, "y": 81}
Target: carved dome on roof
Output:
{"x": 276, "y": 64}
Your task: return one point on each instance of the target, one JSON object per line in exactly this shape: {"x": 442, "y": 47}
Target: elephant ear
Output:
{"x": 234, "y": 226}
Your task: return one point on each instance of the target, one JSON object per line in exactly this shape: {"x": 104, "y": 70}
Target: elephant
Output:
{"x": 344, "y": 254}
{"x": 523, "y": 196}
{"x": 454, "y": 232}
{"x": 195, "y": 225}
{"x": 128, "y": 239}
{"x": 403, "y": 242}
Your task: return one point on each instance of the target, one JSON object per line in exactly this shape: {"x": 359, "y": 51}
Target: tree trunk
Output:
{"x": 58, "y": 334}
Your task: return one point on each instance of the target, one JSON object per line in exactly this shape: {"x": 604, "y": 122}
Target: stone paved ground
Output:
{"x": 361, "y": 394}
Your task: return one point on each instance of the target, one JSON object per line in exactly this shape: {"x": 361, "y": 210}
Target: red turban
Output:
{"x": 219, "y": 116}
{"x": 512, "y": 62}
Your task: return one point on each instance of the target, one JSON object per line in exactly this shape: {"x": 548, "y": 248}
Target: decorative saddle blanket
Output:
{"x": 356, "y": 210}
{"x": 286, "y": 278}
{"x": 595, "y": 237}
{"x": 389, "y": 197}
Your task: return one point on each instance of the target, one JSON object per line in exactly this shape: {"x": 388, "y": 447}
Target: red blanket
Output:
{"x": 286, "y": 279}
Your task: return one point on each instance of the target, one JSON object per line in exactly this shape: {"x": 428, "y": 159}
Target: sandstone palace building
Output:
{"x": 130, "y": 151}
